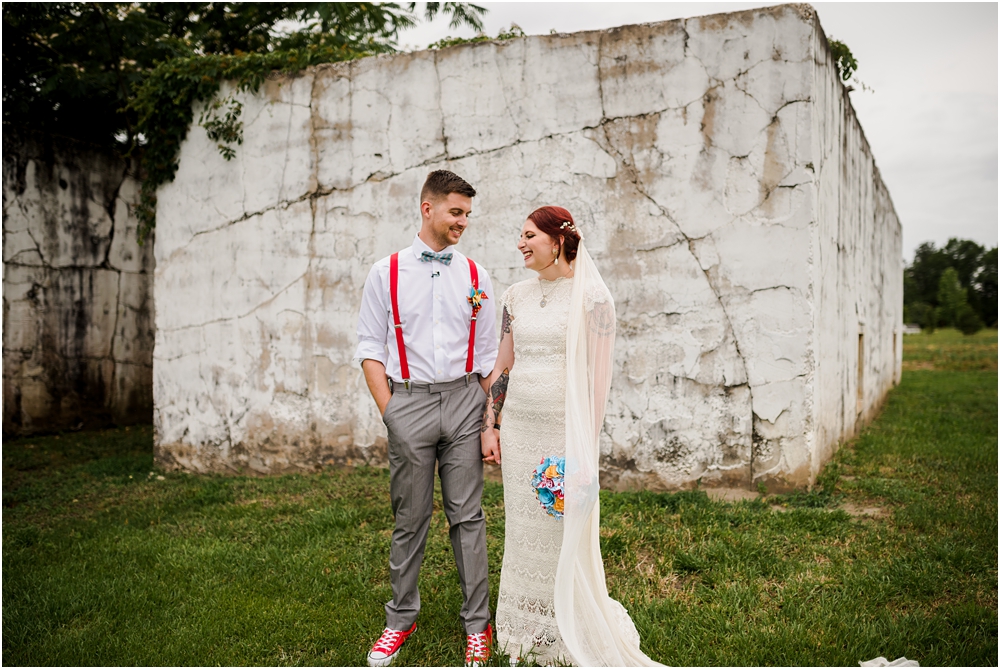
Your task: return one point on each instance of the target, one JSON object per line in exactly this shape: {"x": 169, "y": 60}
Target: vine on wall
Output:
{"x": 164, "y": 104}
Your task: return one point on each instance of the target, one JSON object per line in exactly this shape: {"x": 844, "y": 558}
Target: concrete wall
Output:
{"x": 690, "y": 153}
{"x": 858, "y": 271}
{"x": 77, "y": 288}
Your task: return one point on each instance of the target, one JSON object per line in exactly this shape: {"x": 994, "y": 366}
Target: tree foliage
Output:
{"x": 952, "y": 286}
{"x": 952, "y": 298}
{"x": 123, "y": 74}
{"x": 74, "y": 68}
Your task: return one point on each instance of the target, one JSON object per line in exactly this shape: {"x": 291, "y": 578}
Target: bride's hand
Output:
{"x": 490, "y": 439}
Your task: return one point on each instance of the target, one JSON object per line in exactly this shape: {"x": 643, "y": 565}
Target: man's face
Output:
{"x": 445, "y": 219}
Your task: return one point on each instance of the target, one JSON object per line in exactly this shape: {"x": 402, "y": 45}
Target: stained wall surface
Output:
{"x": 77, "y": 289}
{"x": 859, "y": 273}
{"x": 691, "y": 154}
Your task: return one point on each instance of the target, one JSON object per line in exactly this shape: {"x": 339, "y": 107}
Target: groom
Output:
{"x": 427, "y": 343}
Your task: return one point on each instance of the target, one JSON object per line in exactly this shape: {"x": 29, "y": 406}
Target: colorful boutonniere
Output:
{"x": 476, "y": 298}
{"x": 547, "y": 480}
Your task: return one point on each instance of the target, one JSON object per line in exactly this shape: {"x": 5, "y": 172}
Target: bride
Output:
{"x": 553, "y": 605}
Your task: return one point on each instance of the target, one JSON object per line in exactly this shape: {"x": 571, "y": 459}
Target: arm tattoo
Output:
{"x": 487, "y": 417}
{"x": 495, "y": 400}
{"x": 505, "y": 326}
{"x": 499, "y": 392}
{"x": 602, "y": 319}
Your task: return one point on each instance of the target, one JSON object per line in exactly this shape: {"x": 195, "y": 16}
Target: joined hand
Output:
{"x": 490, "y": 439}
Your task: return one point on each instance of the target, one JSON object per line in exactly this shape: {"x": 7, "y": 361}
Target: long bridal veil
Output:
{"x": 596, "y": 629}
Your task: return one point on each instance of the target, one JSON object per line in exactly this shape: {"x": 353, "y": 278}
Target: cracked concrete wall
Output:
{"x": 686, "y": 150}
{"x": 859, "y": 271}
{"x": 77, "y": 288}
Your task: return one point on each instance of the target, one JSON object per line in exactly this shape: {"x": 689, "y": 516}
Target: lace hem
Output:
{"x": 529, "y": 637}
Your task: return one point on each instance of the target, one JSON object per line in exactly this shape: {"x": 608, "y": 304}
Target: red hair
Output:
{"x": 550, "y": 220}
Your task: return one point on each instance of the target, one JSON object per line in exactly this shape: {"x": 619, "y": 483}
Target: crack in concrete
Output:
{"x": 600, "y": 77}
{"x": 239, "y": 316}
{"x": 114, "y": 330}
{"x": 55, "y": 268}
{"x": 186, "y": 354}
{"x": 38, "y": 249}
{"x": 110, "y": 208}
{"x": 288, "y": 143}
{"x": 382, "y": 176}
{"x": 651, "y": 314}
{"x": 281, "y": 204}
{"x": 437, "y": 73}
{"x": 658, "y": 247}
{"x": 313, "y": 142}
{"x": 310, "y": 273}
{"x": 632, "y": 175}
{"x": 503, "y": 92}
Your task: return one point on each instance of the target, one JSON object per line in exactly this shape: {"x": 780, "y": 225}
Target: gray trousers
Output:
{"x": 439, "y": 422}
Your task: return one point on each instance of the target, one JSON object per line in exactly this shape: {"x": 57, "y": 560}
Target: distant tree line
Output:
{"x": 954, "y": 286}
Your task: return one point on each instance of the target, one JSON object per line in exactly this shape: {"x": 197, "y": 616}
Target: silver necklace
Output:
{"x": 544, "y": 299}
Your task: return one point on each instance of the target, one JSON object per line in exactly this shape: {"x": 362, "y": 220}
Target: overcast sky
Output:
{"x": 931, "y": 120}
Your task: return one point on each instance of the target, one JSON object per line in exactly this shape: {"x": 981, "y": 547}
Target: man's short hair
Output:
{"x": 441, "y": 183}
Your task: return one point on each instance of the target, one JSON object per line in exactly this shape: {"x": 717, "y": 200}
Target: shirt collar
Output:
{"x": 419, "y": 247}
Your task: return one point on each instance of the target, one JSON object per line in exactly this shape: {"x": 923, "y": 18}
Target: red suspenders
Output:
{"x": 472, "y": 325}
{"x": 404, "y": 369}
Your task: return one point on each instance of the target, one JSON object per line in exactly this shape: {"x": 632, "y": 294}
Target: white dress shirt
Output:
{"x": 435, "y": 313}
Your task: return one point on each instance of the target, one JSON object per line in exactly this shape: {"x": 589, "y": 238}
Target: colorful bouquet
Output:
{"x": 547, "y": 480}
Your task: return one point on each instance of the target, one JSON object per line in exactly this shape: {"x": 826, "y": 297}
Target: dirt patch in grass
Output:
{"x": 916, "y": 365}
{"x": 858, "y": 511}
{"x": 731, "y": 494}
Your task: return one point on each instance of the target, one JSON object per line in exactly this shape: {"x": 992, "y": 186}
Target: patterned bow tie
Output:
{"x": 443, "y": 258}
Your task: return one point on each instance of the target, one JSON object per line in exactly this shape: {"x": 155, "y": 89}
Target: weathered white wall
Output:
{"x": 689, "y": 153}
{"x": 77, "y": 288}
{"x": 858, "y": 269}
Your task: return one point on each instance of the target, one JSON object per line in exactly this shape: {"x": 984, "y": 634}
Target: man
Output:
{"x": 429, "y": 383}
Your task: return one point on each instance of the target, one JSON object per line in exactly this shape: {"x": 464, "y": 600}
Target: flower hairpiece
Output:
{"x": 566, "y": 225}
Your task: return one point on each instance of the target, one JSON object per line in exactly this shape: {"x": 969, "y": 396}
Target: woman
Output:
{"x": 559, "y": 329}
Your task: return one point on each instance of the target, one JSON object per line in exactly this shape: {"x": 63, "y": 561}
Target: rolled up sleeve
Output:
{"x": 373, "y": 322}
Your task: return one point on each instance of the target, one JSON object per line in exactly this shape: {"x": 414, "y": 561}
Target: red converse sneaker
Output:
{"x": 387, "y": 647}
{"x": 477, "y": 648}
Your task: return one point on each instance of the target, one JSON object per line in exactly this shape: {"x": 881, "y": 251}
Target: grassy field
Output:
{"x": 108, "y": 561}
{"x": 950, "y": 350}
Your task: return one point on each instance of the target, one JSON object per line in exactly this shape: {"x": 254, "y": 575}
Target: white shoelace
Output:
{"x": 476, "y": 649}
{"x": 387, "y": 641}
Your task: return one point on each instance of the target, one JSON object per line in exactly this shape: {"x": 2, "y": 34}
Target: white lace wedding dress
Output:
{"x": 533, "y": 427}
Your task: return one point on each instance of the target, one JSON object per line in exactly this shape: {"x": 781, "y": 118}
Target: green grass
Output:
{"x": 950, "y": 350}
{"x": 745, "y": 584}
{"x": 105, "y": 563}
